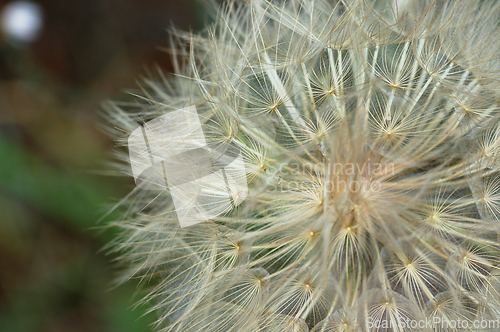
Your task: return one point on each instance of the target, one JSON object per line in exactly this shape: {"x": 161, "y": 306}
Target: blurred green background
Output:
{"x": 54, "y": 275}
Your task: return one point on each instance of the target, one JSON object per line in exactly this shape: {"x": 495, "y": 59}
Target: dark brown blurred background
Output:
{"x": 53, "y": 274}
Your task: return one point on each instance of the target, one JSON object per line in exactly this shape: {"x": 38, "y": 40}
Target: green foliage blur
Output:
{"x": 54, "y": 274}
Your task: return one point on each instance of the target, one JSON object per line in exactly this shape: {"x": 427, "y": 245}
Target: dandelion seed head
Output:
{"x": 369, "y": 132}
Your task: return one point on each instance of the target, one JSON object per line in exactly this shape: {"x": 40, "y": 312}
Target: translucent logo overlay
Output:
{"x": 171, "y": 151}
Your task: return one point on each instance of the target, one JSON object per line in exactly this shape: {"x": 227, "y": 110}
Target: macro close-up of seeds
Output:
{"x": 369, "y": 133}
{"x": 250, "y": 166}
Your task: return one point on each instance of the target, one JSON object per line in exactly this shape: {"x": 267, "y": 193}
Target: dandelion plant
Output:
{"x": 370, "y": 136}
